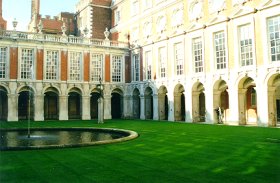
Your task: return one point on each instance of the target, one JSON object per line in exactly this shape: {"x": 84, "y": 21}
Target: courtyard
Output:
{"x": 163, "y": 152}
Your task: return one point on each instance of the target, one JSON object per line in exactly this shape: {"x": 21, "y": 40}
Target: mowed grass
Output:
{"x": 164, "y": 152}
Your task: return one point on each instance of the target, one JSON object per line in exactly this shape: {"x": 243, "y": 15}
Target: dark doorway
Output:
{"x": 3, "y": 105}
{"x": 74, "y": 111}
{"x": 202, "y": 107}
{"x": 50, "y": 106}
{"x": 116, "y": 108}
{"x": 278, "y": 110}
{"x": 183, "y": 111}
{"x": 25, "y": 105}
{"x": 166, "y": 107}
{"x": 94, "y": 105}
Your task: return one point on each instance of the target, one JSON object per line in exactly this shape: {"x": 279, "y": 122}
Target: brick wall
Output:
{"x": 86, "y": 66}
{"x": 40, "y": 64}
{"x": 64, "y": 55}
{"x": 13, "y": 62}
{"x": 101, "y": 20}
{"x": 107, "y": 68}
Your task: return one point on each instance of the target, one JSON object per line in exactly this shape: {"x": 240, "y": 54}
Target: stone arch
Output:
{"x": 273, "y": 92}
{"x": 247, "y": 101}
{"x": 3, "y": 103}
{"x": 52, "y": 88}
{"x": 198, "y": 102}
{"x": 51, "y": 103}
{"x": 26, "y": 102}
{"x": 220, "y": 99}
{"x": 163, "y": 103}
{"x": 179, "y": 103}
{"x": 148, "y": 96}
{"x": 74, "y": 103}
{"x": 117, "y": 103}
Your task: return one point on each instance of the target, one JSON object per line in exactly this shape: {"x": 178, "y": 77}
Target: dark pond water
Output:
{"x": 50, "y": 138}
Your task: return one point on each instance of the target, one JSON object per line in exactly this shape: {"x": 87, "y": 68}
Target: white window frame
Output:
{"x": 70, "y": 65}
{"x": 162, "y": 61}
{"x": 121, "y": 72}
{"x": 117, "y": 15}
{"x": 45, "y": 64}
{"x": 179, "y": 58}
{"x": 224, "y": 56}
{"x": 135, "y": 7}
{"x": 147, "y": 4}
{"x": 100, "y": 57}
{"x": 243, "y": 49}
{"x": 216, "y": 5}
{"x": 148, "y": 63}
{"x": 32, "y": 75}
{"x": 4, "y": 59}
{"x": 136, "y": 67}
{"x": 194, "y": 61}
{"x": 269, "y": 40}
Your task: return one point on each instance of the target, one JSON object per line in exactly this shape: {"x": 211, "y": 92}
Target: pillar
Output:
{"x": 142, "y": 107}
{"x": 107, "y": 107}
{"x": 86, "y": 107}
{"x": 242, "y": 105}
{"x": 12, "y": 107}
{"x": 39, "y": 107}
{"x": 161, "y": 106}
{"x": 155, "y": 107}
{"x": 63, "y": 107}
{"x": 100, "y": 110}
{"x": 128, "y": 106}
{"x": 171, "y": 106}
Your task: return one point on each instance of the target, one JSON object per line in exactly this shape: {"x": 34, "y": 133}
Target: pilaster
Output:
{"x": 12, "y": 107}
{"x": 39, "y": 108}
{"x": 107, "y": 107}
{"x": 63, "y": 107}
{"x": 86, "y": 107}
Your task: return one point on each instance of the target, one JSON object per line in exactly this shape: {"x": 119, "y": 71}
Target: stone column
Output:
{"x": 107, "y": 107}
{"x": 171, "y": 106}
{"x": 161, "y": 106}
{"x": 12, "y": 107}
{"x": 177, "y": 107}
{"x": 86, "y": 107}
{"x": 271, "y": 108}
{"x": 195, "y": 105}
{"x": 155, "y": 107}
{"x": 100, "y": 110}
{"x": 63, "y": 107}
{"x": 241, "y": 106}
{"x": 39, "y": 107}
{"x": 128, "y": 106}
{"x": 142, "y": 107}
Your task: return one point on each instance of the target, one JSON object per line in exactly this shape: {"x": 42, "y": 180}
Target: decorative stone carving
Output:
{"x": 195, "y": 9}
{"x": 216, "y": 5}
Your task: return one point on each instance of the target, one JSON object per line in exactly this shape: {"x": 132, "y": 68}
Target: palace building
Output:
{"x": 175, "y": 60}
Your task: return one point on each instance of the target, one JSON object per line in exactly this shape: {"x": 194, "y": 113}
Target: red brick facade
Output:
{"x": 86, "y": 66}
{"x": 64, "y": 57}
{"x": 107, "y": 68}
{"x": 13, "y": 63}
{"x": 40, "y": 64}
{"x": 101, "y": 20}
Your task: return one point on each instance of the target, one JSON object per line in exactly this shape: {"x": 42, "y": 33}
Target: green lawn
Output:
{"x": 164, "y": 152}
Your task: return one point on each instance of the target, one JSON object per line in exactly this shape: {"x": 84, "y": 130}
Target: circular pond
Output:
{"x": 46, "y": 138}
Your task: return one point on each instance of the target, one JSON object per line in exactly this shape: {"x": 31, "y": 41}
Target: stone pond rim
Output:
{"x": 124, "y": 135}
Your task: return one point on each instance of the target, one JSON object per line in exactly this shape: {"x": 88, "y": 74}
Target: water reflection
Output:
{"x": 10, "y": 139}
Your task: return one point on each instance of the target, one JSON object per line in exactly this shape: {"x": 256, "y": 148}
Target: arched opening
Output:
{"x": 163, "y": 103}
{"x": 94, "y": 105}
{"x": 26, "y": 104}
{"x": 198, "y": 103}
{"x": 136, "y": 104}
{"x": 74, "y": 105}
{"x": 51, "y": 104}
{"x": 220, "y": 99}
{"x": 3, "y": 104}
{"x": 179, "y": 103}
{"x": 247, "y": 98}
{"x": 117, "y": 104}
{"x": 274, "y": 100}
{"x": 148, "y": 103}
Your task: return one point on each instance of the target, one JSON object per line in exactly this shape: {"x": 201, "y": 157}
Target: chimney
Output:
{"x": 48, "y": 17}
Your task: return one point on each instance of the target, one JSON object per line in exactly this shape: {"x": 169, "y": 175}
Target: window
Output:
{"x": 274, "y": 37}
{"x": 179, "y": 58}
{"x": 96, "y": 67}
{"x": 220, "y": 50}
{"x": 253, "y": 97}
{"x": 75, "y": 66}
{"x": 52, "y": 60}
{"x": 27, "y": 64}
{"x": 147, "y": 29}
{"x": 161, "y": 23}
{"x": 162, "y": 62}
{"x": 245, "y": 43}
{"x": 195, "y": 10}
{"x": 147, "y": 4}
{"x": 117, "y": 16}
{"x": 116, "y": 68}
{"x": 197, "y": 54}
{"x": 135, "y": 35}
{"x": 3, "y": 62}
{"x": 177, "y": 18}
{"x": 135, "y": 8}
{"x": 136, "y": 64}
{"x": 148, "y": 64}
{"x": 216, "y": 5}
